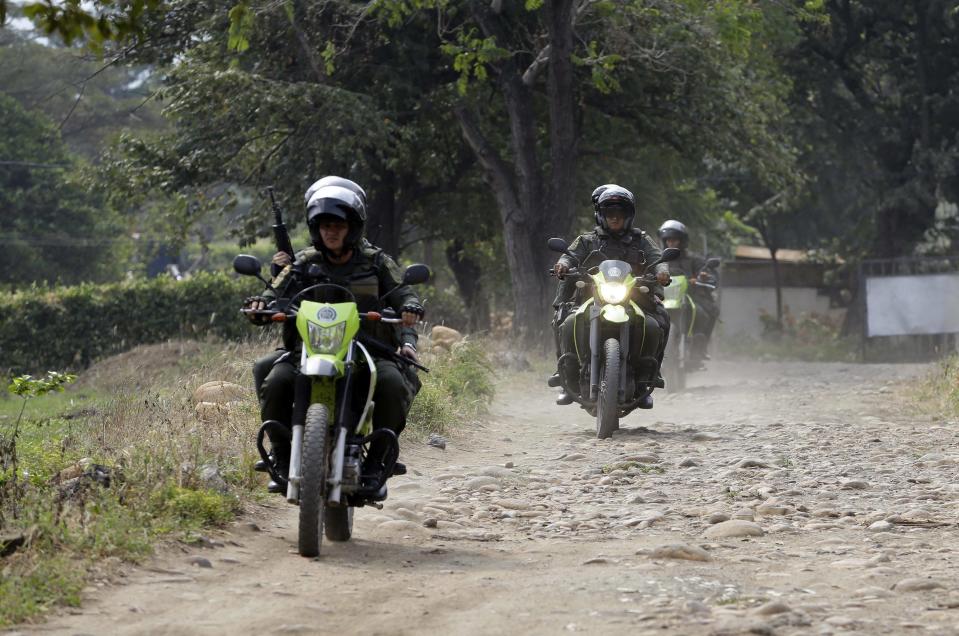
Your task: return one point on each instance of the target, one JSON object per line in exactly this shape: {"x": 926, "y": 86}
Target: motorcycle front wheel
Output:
{"x": 607, "y": 411}
{"x": 338, "y": 523}
{"x": 313, "y": 485}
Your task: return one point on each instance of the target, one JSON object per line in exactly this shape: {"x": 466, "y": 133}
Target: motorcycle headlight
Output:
{"x": 326, "y": 340}
{"x": 614, "y": 293}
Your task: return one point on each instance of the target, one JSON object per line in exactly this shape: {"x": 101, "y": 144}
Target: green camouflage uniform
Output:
{"x": 690, "y": 265}
{"x": 369, "y": 274}
{"x": 633, "y": 247}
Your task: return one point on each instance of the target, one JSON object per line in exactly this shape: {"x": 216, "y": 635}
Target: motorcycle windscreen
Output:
{"x": 615, "y": 271}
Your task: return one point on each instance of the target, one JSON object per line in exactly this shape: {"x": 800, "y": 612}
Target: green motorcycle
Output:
{"x": 682, "y": 316}
{"x": 608, "y": 375}
{"x": 332, "y": 424}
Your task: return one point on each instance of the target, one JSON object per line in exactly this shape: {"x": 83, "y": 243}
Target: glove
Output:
{"x": 413, "y": 308}
{"x": 256, "y": 302}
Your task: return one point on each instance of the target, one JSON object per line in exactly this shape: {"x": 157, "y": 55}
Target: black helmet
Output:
{"x": 598, "y": 191}
{"x": 335, "y": 181}
{"x": 614, "y": 196}
{"x": 676, "y": 230}
{"x": 340, "y": 203}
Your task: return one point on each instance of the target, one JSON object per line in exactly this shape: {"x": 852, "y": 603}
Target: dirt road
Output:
{"x": 530, "y": 525}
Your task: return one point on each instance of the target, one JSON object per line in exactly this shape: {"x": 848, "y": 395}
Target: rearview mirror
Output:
{"x": 670, "y": 254}
{"x": 416, "y": 274}
{"x": 712, "y": 263}
{"x": 557, "y": 245}
{"x": 247, "y": 265}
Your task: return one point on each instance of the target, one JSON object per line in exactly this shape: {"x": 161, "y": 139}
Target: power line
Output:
{"x": 31, "y": 164}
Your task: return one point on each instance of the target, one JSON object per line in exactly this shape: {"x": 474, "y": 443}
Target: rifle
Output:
{"x": 280, "y": 233}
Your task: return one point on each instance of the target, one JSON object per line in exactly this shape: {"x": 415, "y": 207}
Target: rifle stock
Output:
{"x": 280, "y": 233}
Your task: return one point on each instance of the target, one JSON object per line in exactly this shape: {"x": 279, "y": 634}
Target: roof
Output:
{"x": 754, "y": 252}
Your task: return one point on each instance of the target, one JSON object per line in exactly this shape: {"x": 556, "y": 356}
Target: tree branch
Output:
{"x": 532, "y": 71}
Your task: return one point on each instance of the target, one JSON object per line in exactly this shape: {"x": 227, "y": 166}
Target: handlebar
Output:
{"x": 276, "y": 314}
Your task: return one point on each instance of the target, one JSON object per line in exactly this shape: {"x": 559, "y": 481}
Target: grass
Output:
{"x": 938, "y": 393}
{"x": 809, "y": 337}
{"x": 646, "y": 469}
{"x": 133, "y": 414}
{"x": 459, "y": 388}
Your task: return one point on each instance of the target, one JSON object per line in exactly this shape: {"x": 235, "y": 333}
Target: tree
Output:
{"x": 531, "y": 76}
{"x": 54, "y": 229}
{"x": 876, "y": 96}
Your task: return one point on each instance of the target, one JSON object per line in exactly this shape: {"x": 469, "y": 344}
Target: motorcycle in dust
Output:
{"x": 682, "y": 316}
{"x": 607, "y": 376}
{"x": 332, "y": 424}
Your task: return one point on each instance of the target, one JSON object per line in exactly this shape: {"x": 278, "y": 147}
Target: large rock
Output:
{"x": 220, "y": 392}
{"x": 444, "y": 337}
{"x": 734, "y": 528}
{"x": 681, "y": 551}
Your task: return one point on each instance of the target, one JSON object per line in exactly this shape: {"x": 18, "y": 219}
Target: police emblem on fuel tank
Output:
{"x": 326, "y": 314}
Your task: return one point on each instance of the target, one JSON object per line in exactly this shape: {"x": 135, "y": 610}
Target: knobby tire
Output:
{"x": 607, "y": 411}
{"x": 313, "y": 485}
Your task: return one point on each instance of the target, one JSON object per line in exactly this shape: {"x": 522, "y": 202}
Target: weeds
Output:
{"x": 938, "y": 393}
{"x": 646, "y": 469}
{"x": 458, "y": 388}
{"x": 127, "y": 471}
{"x": 811, "y": 337}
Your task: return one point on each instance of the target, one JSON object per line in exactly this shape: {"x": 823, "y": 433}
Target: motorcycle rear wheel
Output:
{"x": 313, "y": 485}
{"x": 607, "y": 411}
{"x": 338, "y": 523}
{"x": 674, "y": 371}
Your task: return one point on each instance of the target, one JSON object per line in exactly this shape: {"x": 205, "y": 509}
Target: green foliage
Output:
{"x": 26, "y": 386}
{"x": 467, "y": 375}
{"x": 458, "y": 388}
{"x": 938, "y": 393}
{"x": 28, "y": 591}
{"x": 69, "y": 327}
{"x": 812, "y": 337}
{"x": 151, "y": 442}
{"x": 96, "y": 23}
{"x": 472, "y": 55}
{"x": 241, "y": 21}
{"x": 191, "y": 507}
{"x": 54, "y": 229}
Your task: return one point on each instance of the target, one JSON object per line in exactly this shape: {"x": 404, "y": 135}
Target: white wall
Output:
{"x": 740, "y": 306}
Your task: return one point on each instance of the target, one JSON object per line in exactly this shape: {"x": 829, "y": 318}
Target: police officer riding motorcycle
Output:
{"x": 336, "y": 218}
{"x": 703, "y": 279}
{"x": 614, "y": 240}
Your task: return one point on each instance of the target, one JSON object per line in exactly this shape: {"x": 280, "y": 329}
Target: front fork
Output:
{"x": 302, "y": 393}
{"x": 596, "y": 353}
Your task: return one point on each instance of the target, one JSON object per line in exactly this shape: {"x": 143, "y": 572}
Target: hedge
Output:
{"x": 69, "y": 327}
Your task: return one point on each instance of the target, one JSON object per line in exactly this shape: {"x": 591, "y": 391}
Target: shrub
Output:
{"x": 69, "y": 327}
{"x": 458, "y": 388}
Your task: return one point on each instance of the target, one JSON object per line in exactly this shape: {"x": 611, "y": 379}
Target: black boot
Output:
{"x": 554, "y": 380}
{"x": 261, "y": 466}
{"x": 646, "y": 402}
{"x": 564, "y": 398}
{"x": 399, "y": 468}
{"x": 281, "y": 466}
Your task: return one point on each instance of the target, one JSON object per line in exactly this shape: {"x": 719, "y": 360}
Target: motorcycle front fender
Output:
{"x": 614, "y": 313}
{"x": 322, "y": 366}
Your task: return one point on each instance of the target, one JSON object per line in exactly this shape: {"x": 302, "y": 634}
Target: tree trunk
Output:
{"x": 768, "y": 236}
{"x": 467, "y": 273}
{"x": 778, "y": 281}
{"x": 534, "y": 204}
{"x": 385, "y": 215}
